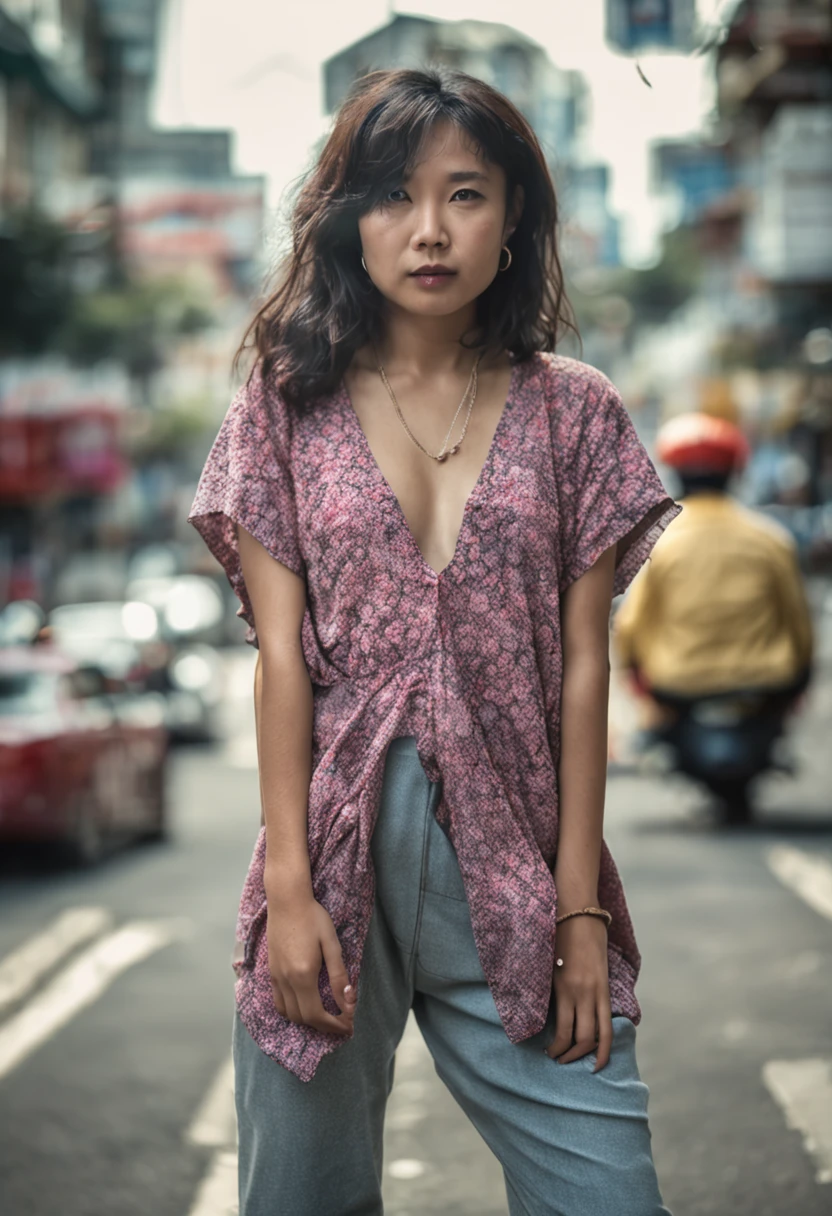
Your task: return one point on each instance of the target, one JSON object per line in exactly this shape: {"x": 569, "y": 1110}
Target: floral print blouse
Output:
{"x": 468, "y": 660}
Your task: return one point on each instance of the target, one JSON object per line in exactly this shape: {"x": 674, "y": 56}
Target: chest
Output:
{"x": 431, "y": 495}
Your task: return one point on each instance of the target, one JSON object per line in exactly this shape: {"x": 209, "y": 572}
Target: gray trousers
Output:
{"x": 571, "y": 1142}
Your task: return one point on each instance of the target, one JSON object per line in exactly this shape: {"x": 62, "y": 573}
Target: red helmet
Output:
{"x": 701, "y": 442}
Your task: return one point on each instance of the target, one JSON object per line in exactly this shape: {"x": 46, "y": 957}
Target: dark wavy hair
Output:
{"x": 325, "y": 308}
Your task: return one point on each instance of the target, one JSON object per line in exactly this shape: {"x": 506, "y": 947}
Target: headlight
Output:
{"x": 191, "y": 672}
{"x": 193, "y": 605}
{"x": 139, "y": 620}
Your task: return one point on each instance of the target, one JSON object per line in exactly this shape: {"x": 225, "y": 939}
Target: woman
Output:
{"x": 425, "y": 514}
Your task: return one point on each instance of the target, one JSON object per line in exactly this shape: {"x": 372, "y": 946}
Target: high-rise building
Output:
{"x": 552, "y": 99}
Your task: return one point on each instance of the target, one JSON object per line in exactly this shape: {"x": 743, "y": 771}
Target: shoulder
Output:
{"x": 258, "y": 409}
{"x": 571, "y": 387}
{"x": 585, "y": 410}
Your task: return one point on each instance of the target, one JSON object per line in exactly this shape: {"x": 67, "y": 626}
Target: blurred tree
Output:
{"x": 653, "y": 293}
{"x": 658, "y": 290}
{"x": 171, "y": 434}
{"x": 35, "y": 270}
{"x": 134, "y": 323}
{"x": 41, "y": 310}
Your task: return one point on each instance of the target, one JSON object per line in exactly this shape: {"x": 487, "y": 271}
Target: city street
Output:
{"x": 115, "y": 1082}
{"x": 254, "y": 257}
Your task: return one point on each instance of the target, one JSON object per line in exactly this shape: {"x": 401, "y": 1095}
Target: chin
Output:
{"x": 424, "y": 304}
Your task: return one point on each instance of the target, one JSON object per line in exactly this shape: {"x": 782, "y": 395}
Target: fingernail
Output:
{"x": 348, "y": 988}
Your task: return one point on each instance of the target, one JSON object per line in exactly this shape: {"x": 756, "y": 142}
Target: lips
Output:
{"x": 432, "y": 271}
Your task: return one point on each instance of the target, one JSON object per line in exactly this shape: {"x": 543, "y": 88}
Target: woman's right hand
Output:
{"x": 301, "y": 936}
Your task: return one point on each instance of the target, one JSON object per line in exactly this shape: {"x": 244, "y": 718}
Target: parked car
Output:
{"x": 133, "y": 640}
{"x": 189, "y": 606}
{"x": 111, "y": 634}
{"x": 82, "y": 756}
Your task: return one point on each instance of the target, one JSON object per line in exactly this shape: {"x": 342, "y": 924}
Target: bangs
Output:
{"x": 389, "y": 145}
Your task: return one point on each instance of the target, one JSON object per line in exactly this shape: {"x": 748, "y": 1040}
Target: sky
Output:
{"x": 255, "y": 66}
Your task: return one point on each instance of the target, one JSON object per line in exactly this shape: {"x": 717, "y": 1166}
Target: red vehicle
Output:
{"x": 82, "y": 756}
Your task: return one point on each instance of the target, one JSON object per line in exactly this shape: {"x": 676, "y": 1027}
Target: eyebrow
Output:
{"x": 462, "y": 175}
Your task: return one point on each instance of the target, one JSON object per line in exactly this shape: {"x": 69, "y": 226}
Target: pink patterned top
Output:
{"x": 468, "y": 660}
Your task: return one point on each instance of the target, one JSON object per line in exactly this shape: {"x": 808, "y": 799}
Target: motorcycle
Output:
{"x": 724, "y": 741}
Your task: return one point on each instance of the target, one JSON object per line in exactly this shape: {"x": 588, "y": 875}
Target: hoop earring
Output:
{"x": 364, "y": 264}
{"x": 508, "y": 263}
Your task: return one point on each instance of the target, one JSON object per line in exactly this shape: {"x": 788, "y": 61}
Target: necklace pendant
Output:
{"x": 441, "y": 456}
{"x": 454, "y": 449}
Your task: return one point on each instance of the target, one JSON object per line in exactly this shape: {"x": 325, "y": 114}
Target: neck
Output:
{"x": 424, "y": 346}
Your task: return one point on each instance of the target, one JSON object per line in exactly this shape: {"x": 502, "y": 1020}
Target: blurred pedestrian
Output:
{"x": 721, "y": 606}
{"x": 431, "y": 601}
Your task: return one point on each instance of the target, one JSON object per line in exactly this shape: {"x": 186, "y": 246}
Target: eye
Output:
{"x": 472, "y": 194}
{"x": 390, "y": 199}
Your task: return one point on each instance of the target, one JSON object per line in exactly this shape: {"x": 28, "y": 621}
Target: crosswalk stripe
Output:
{"x": 21, "y": 971}
{"x": 217, "y": 1196}
{"x": 81, "y": 983}
{"x": 214, "y": 1125}
{"x": 803, "y": 1088}
{"x": 808, "y": 876}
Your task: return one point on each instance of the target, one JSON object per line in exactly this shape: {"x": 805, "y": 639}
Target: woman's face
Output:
{"x": 449, "y": 216}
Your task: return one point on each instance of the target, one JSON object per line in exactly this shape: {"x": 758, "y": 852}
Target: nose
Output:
{"x": 429, "y": 228}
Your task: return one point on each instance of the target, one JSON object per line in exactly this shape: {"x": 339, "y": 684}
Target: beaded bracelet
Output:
{"x": 607, "y": 916}
{"x": 587, "y": 912}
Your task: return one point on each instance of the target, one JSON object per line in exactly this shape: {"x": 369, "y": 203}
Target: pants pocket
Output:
{"x": 622, "y": 1051}
{"x": 446, "y": 947}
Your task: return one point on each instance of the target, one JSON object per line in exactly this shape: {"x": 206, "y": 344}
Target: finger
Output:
{"x": 279, "y": 1002}
{"x": 564, "y": 1026}
{"x": 339, "y": 980}
{"x": 291, "y": 1002}
{"x": 584, "y": 1034}
{"x": 314, "y": 1014}
{"x": 605, "y": 1037}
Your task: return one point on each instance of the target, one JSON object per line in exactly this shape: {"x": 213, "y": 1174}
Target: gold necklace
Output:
{"x": 471, "y": 388}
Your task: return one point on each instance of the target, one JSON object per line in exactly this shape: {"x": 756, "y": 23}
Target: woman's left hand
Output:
{"x": 582, "y": 992}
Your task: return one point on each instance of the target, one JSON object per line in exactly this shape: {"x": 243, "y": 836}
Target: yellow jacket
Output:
{"x": 720, "y": 606}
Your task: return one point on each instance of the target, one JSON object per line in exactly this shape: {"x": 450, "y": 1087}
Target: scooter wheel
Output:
{"x": 735, "y": 804}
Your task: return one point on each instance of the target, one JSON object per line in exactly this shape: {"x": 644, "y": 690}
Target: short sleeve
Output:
{"x": 610, "y": 491}
{"x": 247, "y": 480}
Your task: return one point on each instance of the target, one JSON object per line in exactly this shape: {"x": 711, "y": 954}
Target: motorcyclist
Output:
{"x": 721, "y": 607}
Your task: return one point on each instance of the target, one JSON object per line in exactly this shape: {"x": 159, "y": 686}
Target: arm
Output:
{"x": 300, "y": 930}
{"x": 633, "y": 621}
{"x": 582, "y": 984}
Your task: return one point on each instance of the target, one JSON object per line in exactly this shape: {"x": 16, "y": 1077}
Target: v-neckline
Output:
{"x": 375, "y": 470}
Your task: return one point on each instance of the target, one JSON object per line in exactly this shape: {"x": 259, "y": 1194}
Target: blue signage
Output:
{"x": 634, "y": 25}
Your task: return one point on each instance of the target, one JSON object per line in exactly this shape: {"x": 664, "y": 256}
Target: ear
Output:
{"x": 514, "y": 212}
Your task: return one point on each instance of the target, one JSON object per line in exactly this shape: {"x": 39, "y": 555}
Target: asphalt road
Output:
{"x": 114, "y": 1074}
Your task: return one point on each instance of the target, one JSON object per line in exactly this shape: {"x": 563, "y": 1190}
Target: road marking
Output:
{"x": 25, "y": 967}
{"x": 406, "y": 1168}
{"x": 803, "y": 1088}
{"x": 215, "y": 1123}
{"x": 81, "y": 983}
{"x": 808, "y": 876}
{"x": 217, "y": 1196}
